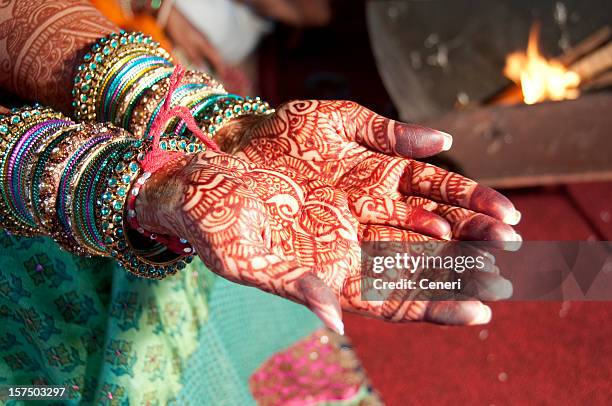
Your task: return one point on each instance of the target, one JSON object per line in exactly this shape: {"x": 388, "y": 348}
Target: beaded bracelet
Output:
{"x": 123, "y": 80}
{"x": 119, "y": 84}
{"x": 231, "y": 110}
{"x": 67, "y": 185}
{"x": 150, "y": 103}
{"x": 217, "y": 110}
{"x": 20, "y": 168}
{"x": 51, "y": 168}
{"x": 14, "y": 209}
{"x": 137, "y": 92}
{"x": 145, "y": 257}
{"x": 86, "y": 201}
{"x": 178, "y": 245}
{"x": 74, "y": 182}
{"x": 204, "y": 109}
{"x": 110, "y": 61}
{"x": 141, "y": 102}
{"x": 40, "y": 167}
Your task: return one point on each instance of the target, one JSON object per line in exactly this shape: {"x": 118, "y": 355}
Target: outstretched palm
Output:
{"x": 357, "y": 150}
{"x": 283, "y": 233}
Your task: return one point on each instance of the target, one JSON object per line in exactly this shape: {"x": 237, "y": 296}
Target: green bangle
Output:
{"x": 144, "y": 257}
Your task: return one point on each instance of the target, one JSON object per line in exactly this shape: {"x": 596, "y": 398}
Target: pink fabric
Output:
{"x": 320, "y": 368}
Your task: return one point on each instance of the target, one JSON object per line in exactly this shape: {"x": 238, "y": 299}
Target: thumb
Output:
{"x": 321, "y": 300}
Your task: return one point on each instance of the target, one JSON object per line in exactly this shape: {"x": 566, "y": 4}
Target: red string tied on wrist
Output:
{"x": 157, "y": 158}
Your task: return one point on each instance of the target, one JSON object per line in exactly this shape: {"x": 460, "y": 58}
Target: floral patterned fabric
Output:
{"x": 84, "y": 322}
{"x": 115, "y": 339}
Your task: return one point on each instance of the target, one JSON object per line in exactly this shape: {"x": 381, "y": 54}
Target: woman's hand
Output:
{"x": 348, "y": 146}
{"x": 293, "y": 236}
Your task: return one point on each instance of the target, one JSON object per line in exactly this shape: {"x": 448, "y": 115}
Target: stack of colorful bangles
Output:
{"x": 77, "y": 182}
{"x": 124, "y": 80}
{"x": 73, "y": 182}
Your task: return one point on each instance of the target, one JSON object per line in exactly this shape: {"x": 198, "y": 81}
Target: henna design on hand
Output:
{"x": 467, "y": 224}
{"x": 43, "y": 40}
{"x": 351, "y": 147}
{"x": 285, "y": 234}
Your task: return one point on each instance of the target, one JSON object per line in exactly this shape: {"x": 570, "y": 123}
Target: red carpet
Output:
{"x": 531, "y": 353}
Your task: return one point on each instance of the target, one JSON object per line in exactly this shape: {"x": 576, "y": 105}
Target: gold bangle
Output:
{"x": 154, "y": 96}
{"x": 101, "y": 61}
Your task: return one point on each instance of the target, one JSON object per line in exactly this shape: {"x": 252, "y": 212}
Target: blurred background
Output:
{"x": 524, "y": 87}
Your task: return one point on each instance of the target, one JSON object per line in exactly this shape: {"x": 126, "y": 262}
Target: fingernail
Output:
{"x": 448, "y": 141}
{"x": 330, "y": 317}
{"x": 338, "y": 327}
{"x": 332, "y": 321}
{"x": 514, "y": 242}
{"x": 490, "y": 256}
{"x": 483, "y": 317}
{"x": 513, "y": 218}
{"x": 505, "y": 289}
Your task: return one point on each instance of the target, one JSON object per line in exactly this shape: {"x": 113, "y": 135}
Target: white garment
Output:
{"x": 232, "y": 28}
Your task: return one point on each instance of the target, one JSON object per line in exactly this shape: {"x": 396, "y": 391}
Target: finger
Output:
{"x": 287, "y": 279}
{"x": 467, "y": 225}
{"x": 470, "y": 226}
{"x": 297, "y": 283}
{"x": 421, "y": 202}
{"x": 458, "y": 313}
{"x": 476, "y": 251}
{"x": 193, "y": 42}
{"x": 429, "y": 181}
{"x": 487, "y": 286}
{"x": 322, "y": 301}
{"x": 407, "y": 305}
{"x": 193, "y": 54}
{"x": 276, "y": 275}
{"x": 394, "y": 137}
{"x": 382, "y": 210}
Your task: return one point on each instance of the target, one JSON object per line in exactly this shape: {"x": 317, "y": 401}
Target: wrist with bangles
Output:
{"x": 76, "y": 182}
{"x": 128, "y": 82}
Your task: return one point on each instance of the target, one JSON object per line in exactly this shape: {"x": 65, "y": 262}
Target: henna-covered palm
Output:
{"x": 287, "y": 234}
{"x": 346, "y": 145}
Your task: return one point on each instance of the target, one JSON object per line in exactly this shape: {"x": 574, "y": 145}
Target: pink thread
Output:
{"x": 157, "y": 158}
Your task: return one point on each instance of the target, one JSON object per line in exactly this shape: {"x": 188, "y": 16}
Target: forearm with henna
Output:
{"x": 41, "y": 43}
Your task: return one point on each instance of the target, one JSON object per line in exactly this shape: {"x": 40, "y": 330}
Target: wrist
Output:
{"x": 158, "y": 206}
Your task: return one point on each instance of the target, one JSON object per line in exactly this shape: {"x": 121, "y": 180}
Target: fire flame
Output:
{"x": 540, "y": 79}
